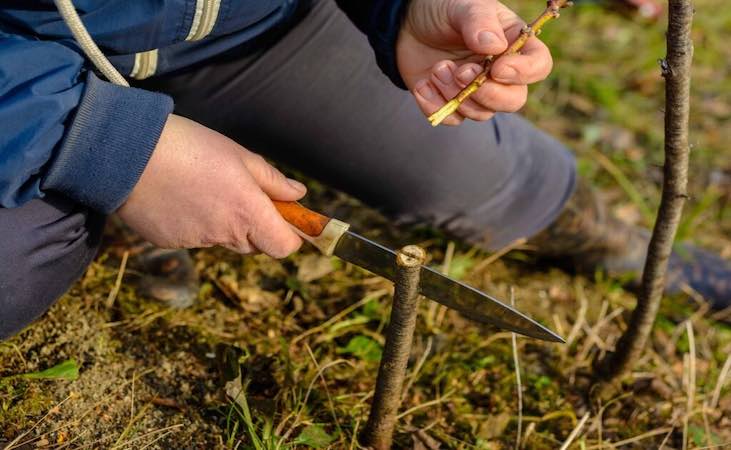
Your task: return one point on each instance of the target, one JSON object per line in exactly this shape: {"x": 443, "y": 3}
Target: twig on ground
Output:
{"x": 519, "y": 385}
{"x": 632, "y": 440}
{"x": 499, "y": 254}
{"x": 691, "y": 381}
{"x": 371, "y": 296}
{"x": 721, "y": 381}
{"x": 118, "y": 282}
{"x": 575, "y": 432}
{"x": 327, "y": 392}
{"x": 580, "y": 318}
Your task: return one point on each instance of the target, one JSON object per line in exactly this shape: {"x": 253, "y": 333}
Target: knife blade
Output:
{"x": 333, "y": 237}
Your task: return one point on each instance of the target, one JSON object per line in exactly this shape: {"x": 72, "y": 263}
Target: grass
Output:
{"x": 311, "y": 329}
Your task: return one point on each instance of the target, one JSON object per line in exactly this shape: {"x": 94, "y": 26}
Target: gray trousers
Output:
{"x": 311, "y": 97}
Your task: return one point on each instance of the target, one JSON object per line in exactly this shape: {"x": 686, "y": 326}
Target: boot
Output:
{"x": 167, "y": 275}
{"x": 588, "y": 238}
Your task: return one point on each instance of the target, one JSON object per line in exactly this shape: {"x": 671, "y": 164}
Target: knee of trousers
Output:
{"x": 45, "y": 246}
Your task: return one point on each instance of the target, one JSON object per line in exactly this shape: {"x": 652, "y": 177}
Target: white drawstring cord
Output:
{"x": 73, "y": 21}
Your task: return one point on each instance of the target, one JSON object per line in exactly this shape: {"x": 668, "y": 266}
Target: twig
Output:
{"x": 499, "y": 254}
{"x": 575, "y": 432}
{"x": 519, "y": 385}
{"x": 721, "y": 381}
{"x": 691, "y": 381}
{"x": 580, "y": 317}
{"x": 327, "y": 392}
{"x": 676, "y": 70}
{"x": 371, "y": 296}
{"x": 378, "y": 432}
{"x": 533, "y": 29}
{"x": 436, "y": 401}
{"x": 118, "y": 282}
{"x": 632, "y": 440}
{"x": 15, "y": 442}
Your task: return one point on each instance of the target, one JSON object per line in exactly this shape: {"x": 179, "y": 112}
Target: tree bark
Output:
{"x": 676, "y": 71}
{"x": 378, "y": 433}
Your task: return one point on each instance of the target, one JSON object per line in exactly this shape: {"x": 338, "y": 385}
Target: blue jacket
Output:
{"x": 64, "y": 129}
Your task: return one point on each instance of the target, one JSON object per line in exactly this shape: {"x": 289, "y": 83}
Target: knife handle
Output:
{"x": 321, "y": 231}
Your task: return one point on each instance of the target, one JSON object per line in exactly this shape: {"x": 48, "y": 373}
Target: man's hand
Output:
{"x": 442, "y": 43}
{"x": 201, "y": 189}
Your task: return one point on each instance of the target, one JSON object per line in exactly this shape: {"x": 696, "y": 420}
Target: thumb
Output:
{"x": 271, "y": 180}
{"x": 481, "y": 30}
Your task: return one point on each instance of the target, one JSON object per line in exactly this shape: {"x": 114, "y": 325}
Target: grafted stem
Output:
{"x": 676, "y": 71}
{"x": 378, "y": 433}
{"x": 534, "y": 28}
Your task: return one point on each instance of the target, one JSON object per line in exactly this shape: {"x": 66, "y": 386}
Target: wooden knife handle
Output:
{"x": 321, "y": 231}
{"x": 307, "y": 221}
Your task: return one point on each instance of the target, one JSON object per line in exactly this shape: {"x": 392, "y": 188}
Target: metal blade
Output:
{"x": 474, "y": 304}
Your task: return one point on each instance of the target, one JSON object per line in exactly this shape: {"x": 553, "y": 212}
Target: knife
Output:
{"x": 333, "y": 237}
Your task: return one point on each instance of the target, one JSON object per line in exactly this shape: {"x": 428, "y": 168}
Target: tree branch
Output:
{"x": 676, "y": 71}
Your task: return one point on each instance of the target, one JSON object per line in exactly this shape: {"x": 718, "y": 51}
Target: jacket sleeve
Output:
{"x": 381, "y": 21}
{"x": 63, "y": 129}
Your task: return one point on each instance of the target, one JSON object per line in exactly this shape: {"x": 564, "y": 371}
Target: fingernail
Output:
{"x": 425, "y": 90}
{"x": 444, "y": 74}
{"x": 506, "y": 73}
{"x": 296, "y": 185}
{"x": 467, "y": 75}
{"x": 486, "y": 38}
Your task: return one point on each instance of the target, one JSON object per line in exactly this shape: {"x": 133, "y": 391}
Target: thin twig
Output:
{"x": 632, "y": 440}
{"x": 519, "y": 385}
{"x": 575, "y": 432}
{"x": 691, "y": 381}
{"x": 580, "y": 317}
{"x": 118, "y": 282}
{"x": 721, "y": 381}
{"x": 676, "y": 70}
{"x": 436, "y": 401}
{"x": 371, "y": 296}
{"x": 533, "y": 29}
{"x": 499, "y": 254}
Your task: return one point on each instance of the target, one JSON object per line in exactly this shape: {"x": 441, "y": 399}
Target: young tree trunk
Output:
{"x": 378, "y": 433}
{"x": 676, "y": 71}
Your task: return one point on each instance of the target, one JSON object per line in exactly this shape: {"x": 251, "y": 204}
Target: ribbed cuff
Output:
{"x": 385, "y": 24}
{"x": 107, "y": 145}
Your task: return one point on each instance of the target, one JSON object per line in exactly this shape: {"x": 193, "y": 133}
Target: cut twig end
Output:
{"x": 411, "y": 256}
{"x": 444, "y": 112}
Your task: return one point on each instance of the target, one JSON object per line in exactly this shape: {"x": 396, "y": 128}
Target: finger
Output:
{"x": 492, "y": 96}
{"x": 501, "y": 97}
{"x": 531, "y": 65}
{"x": 271, "y": 180}
{"x": 430, "y": 100}
{"x": 445, "y": 78}
{"x": 243, "y": 248}
{"x": 477, "y": 21}
{"x": 270, "y": 233}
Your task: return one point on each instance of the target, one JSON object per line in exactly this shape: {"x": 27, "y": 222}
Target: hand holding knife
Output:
{"x": 333, "y": 237}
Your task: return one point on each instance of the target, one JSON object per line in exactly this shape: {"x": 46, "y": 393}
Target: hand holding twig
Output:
{"x": 533, "y": 29}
